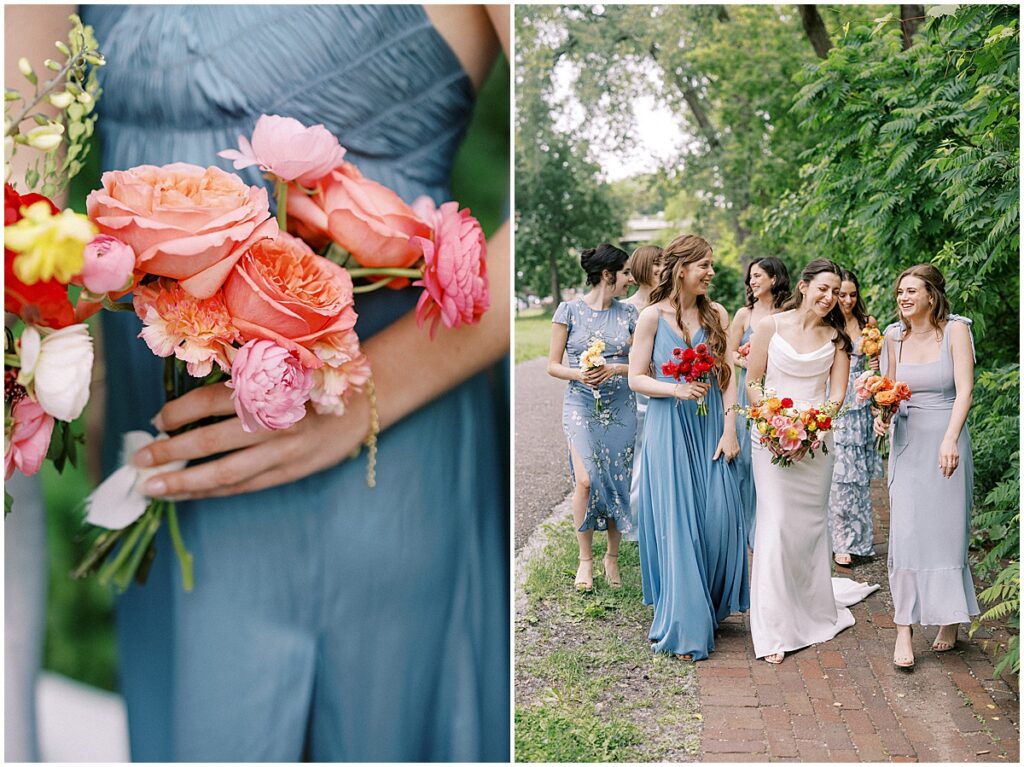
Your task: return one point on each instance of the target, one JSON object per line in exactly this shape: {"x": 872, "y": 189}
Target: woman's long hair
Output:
{"x": 775, "y": 269}
{"x": 834, "y": 318}
{"x": 860, "y": 311}
{"x": 935, "y": 284}
{"x": 689, "y": 249}
{"x": 641, "y": 264}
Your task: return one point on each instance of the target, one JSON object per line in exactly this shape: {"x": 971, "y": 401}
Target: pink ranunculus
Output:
{"x": 365, "y": 218}
{"x": 288, "y": 149}
{"x": 282, "y": 291}
{"x": 454, "y": 272}
{"x": 271, "y": 387}
{"x": 860, "y": 389}
{"x": 109, "y": 264}
{"x": 29, "y": 438}
{"x": 185, "y": 222}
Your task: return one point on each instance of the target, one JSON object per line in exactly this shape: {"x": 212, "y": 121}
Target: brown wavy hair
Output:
{"x": 683, "y": 250}
{"x": 641, "y": 263}
{"x": 834, "y": 319}
{"x": 935, "y": 284}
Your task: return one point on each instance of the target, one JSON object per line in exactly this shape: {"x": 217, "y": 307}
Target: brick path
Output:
{"x": 843, "y": 701}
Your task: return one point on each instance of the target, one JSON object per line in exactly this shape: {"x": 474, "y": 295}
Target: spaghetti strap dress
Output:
{"x": 748, "y": 496}
{"x": 329, "y": 621}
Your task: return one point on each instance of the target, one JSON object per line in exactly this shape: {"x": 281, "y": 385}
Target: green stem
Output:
{"x": 371, "y": 287}
{"x": 12, "y": 360}
{"x": 373, "y": 272}
{"x": 168, "y": 379}
{"x": 184, "y": 558}
{"x": 117, "y": 306}
{"x": 150, "y": 523}
{"x": 111, "y": 568}
{"x": 282, "y": 205}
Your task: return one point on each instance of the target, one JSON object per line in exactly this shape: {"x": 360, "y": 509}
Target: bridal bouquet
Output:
{"x": 884, "y": 394}
{"x": 788, "y": 432}
{"x": 590, "y": 359}
{"x": 691, "y": 364}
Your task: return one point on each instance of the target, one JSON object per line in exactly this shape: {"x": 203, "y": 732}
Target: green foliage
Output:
{"x": 533, "y": 335}
{"x": 547, "y": 734}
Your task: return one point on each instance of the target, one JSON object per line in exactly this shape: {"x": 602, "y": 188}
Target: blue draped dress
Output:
{"x": 744, "y": 470}
{"x": 692, "y": 537}
{"x": 329, "y": 621}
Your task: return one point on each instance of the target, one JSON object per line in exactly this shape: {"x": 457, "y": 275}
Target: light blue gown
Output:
{"x": 744, "y": 471}
{"x": 693, "y": 551}
{"x": 603, "y": 439}
{"x": 329, "y": 621}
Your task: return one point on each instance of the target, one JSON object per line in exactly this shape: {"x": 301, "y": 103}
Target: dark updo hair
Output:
{"x": 834, "y": 318}
{"x": 641, "y": 264}
{"x": 775, "y": 269}
{"x": 935, "y": 284}
{"x": 605, "y": 256}
{"x": 860, "y": 311}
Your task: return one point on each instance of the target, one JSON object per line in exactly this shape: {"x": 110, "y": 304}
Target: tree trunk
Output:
{"x": 911, "y": 16}
{"x": 693, "y": 101}
{"x": 556, "y": 289}
{"x": 814, "y": 26}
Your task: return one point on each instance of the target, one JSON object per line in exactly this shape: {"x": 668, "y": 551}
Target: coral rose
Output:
{"x": 365, "y": 218}
{"x": 26, "y": 444}
{"x": 271, "y": 387}
{"x": 288, "y": 149}
{"x": 902, "y": 390}
{"x": 282, "y": 291}
{"x": 454, "y": 271}
{"x": 183, "y": 221}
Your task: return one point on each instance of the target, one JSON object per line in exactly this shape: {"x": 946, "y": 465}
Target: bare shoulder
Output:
{"x": 723, "y": 314}
{"x": 742, "y": 315}
{"x": 959, "y": 332}
{"x": 649, "y": 316}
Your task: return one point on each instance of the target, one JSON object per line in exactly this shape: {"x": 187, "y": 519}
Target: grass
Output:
{"x": 588, "y": 688}
{"x": 533, "y": 334}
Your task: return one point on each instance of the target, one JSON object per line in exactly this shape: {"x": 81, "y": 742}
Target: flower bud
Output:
{"x": 45, "y": 139}
{"x": 25, "y": 67}
{"x": 62, "y": 48}
{"x": 70, "y": 87}
{"x": 52, "y": 65}
{"x": 10, "y": 95}
{"x": 95, "y": 59}
{"x": 85, "y": 98}
{"x": 61, "y": 100}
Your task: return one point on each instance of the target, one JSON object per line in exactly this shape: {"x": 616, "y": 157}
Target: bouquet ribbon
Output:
{"x": 119, "y": 501}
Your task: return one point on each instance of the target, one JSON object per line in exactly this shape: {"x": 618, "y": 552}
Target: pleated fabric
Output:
{"x": 692, "y": 540}
{"x": 329, "y": 621}
{"x": 748, "y": 495}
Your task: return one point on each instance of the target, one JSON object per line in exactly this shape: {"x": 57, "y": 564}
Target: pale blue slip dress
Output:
{"x": 744, "y": 470}
{"x": 329, "y": 621}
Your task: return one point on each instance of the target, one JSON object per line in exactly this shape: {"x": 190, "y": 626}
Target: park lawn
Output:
{"x": 533, "y": 334}
{"x": 588, "y": 689}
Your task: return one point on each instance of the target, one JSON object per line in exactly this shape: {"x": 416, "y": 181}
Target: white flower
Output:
{"x": 58, "y": 368}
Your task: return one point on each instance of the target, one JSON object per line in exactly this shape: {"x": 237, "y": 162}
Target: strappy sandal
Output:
{"x": 612, "y": 576}
{"x": 585, "y": 583}
{"x": 941, "y": 645}
{"x": 847, "y": 557}
{"x": 903, "y": 663}
{"x": 775, "y": 658}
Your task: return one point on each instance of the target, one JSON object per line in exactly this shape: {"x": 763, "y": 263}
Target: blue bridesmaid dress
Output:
{"x": 744, "y": 470}
{"x": 329, "y": 621}
{"x": 692, "y": 539}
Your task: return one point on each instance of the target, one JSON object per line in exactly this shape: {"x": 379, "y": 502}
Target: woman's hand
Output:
{"x": 252, "y": 461}
{"x": 739, "y": 360}
{"x": 949, "y": 457}
{"x": 881, "y": 427}
{"x": 875, "y": 363}
{"x": 600, "y": 374}
{"x": 727, "y": 446}
{"x": 693, "y": 390}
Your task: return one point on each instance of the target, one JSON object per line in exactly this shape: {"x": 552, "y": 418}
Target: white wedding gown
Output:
{"x": 794, "y": 601}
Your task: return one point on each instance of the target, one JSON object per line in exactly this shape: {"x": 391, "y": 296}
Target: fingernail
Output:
{"x": 158, "y": 422}
{"x": 154, "y": 487}
{"x": 142, "y": 458}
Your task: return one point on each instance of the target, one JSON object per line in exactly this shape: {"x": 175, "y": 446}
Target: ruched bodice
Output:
{"x": 802, "y": 377}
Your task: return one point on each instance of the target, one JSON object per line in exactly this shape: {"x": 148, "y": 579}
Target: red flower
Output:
{"x": 701, "y": 349}
{"x": 46, "y": 302}
{"x": 689, "y": 355}
{"x": 677, "y": 352}
{"x": 787, "y": 402}
{"x": 669, "y": 369}
{"x": 825, "y": 424}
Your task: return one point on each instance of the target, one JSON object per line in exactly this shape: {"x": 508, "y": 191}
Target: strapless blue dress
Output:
{"x": 329, "y": 621}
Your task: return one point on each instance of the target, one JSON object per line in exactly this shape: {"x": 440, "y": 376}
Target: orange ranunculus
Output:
{"x": 755, "y": 412}
{"x": 282, "y": 291}
{"x": 188, "y": 223}
{"x": 886, "y": 398}
{"x": 902, "y": 390}
{"x": 876, "y": 384}
{"x": 773, "y": 404}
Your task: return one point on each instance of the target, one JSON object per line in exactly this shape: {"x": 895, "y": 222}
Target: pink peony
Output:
{"x": 109, "y": 264}
{"x": 271, "y": 387}
{"x": 183, "y": 221}
{"x": 288, "y": 149}
{"x": 29, "y": 438}
{"x": 365, "y": 218}
{"x": 345, "y": 370}
{"x": 780, "y": 422}
{"x": 454, "y": 272}
{"x": 283, "y": 292}
{"x": 198, "y": 331}
{"x": 792, "y": 436}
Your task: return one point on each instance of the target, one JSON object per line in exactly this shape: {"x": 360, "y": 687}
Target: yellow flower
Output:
{"x": 762, "y": 427}
{"x": 48, "y": 245}
{"x": 773, "y": 404}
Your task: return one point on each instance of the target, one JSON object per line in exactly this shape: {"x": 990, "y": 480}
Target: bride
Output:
{"x": 794, "y": 602}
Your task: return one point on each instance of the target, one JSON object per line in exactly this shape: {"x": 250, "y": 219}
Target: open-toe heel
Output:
{"x": 905, "y": 662}
{"x": 775, "y": 658}
{"x": 585, "y": 575}
{"x": 944, "y": 645}
{"x": 611, "y": 571}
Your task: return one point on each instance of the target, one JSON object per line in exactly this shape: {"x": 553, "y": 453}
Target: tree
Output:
{"x": 814, "y": 26}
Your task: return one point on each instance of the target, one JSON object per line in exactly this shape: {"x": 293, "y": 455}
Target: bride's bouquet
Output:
{"x": 691, "y": 364}
{"x": 790, "y": 433}
{"x": 592, "y": 358}
{"x": 884, "y": 394}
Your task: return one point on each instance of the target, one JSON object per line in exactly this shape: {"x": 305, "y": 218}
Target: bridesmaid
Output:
{"x": 645, "y": 268}
{"x": 931, "y": 471}
{"x": 767, "y": 284}
{"x": 693, "y": 554}
{"x": 857, "y": 462}
{"x": 600, "y": 443}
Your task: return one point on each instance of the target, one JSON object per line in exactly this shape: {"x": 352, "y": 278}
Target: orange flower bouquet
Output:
{"x": 886, "y": 395}
{"x": 790, "y": 433}
{"x": 871, "y": 340}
